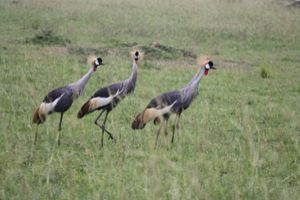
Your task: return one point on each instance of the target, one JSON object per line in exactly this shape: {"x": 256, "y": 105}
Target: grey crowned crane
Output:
{"x": 176, "y": 102}
{"x": 107, "y": 98}
{"x": 60, "y": 99}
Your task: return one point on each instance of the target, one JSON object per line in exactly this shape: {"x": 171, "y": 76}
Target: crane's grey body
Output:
{"x": 115, "y": 93}
{"x": 78, "y": 87}
{"x": 128, "y": 85}
{"x": 191, "y": 90}
{"x": 179, "y": 99}
{"x": 63, "y": 104}
{"x": 67, "y": 93}
{"x": 124, "y": 87}
{"x": 183, "y": 97}
{"x": 60, "y": 99}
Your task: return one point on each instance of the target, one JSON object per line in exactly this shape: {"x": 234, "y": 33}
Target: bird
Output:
{"x": 161, "y": 107}
{"x": 108, "y": 97}
{"x": 60, "y": 99}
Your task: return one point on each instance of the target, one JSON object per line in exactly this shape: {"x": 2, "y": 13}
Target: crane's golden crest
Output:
{"x": 141, "y": 54}
{"x": 91, "y": 59}
{"x": 203, "y": 60}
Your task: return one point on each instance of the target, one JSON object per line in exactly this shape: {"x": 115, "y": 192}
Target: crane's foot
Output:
{"x": 109, "y": 133}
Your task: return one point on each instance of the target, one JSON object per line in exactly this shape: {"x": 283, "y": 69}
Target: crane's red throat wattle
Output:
{"x": 94, "y": 68}
{"x": 206, "y": 72}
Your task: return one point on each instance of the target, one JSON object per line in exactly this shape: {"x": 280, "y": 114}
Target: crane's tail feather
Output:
{"x": 38, "y": 117}
{"x": 84, "y": 109}
{"x": 96, "y": 103}
{"x": 45, "y": 109}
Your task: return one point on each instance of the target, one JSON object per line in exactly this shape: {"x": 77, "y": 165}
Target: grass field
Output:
{"x": 240, "y": 139}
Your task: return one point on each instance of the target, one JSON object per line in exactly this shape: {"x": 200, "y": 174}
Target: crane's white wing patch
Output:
{"x": 46, "y": 108}
{"x": 98, "y": 102}
{"x": 152, "y": 113}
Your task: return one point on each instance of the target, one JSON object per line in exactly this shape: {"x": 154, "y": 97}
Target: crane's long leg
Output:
{"x": 109, "y": 134}
{"x": 36, "y": 133}
{"x": 96, "y": 120}
{"x": 105, "y": 130}
{"x": 103, "y": 126}
{"x": 166, "y": 131}
{"x": 59, "y": 128}
{"x": 158, "y": 132}
{"x": 175, "y": 127}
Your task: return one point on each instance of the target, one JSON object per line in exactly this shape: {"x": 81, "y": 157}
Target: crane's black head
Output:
{"x": 136, "y": 56}
{"x": 97, "y": 63}
{"x": 209, "y": 65}
{"x": 138, "y": 122}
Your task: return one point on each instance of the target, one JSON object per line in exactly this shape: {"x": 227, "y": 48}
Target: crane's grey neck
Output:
{"x": 196, "y": 79}
{"x": 133, "y": 75}
{"x": 78, "y": 87}
{"x": 129, "y": 84}
{"x": 191, "y": 89}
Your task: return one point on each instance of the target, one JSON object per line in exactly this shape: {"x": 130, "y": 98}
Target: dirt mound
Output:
{"x": 160, "y": 51}
{"x": 155, "y": 51}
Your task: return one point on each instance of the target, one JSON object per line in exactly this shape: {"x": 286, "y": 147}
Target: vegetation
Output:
{"x": 46, "y": 36}
{"x": 264, "y": 72}
{"x": 240, "y": 139}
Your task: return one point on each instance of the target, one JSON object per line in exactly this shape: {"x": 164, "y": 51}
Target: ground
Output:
{"x": 238, "y": 140}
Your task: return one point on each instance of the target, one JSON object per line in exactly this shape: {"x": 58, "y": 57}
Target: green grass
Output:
{"x": 238, "y": 140}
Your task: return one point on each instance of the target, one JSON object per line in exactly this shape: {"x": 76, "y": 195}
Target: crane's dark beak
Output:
{"x": 212, "y": 67}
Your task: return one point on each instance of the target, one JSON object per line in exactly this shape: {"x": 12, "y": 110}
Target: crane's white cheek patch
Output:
{"x": 207, "y": 66}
